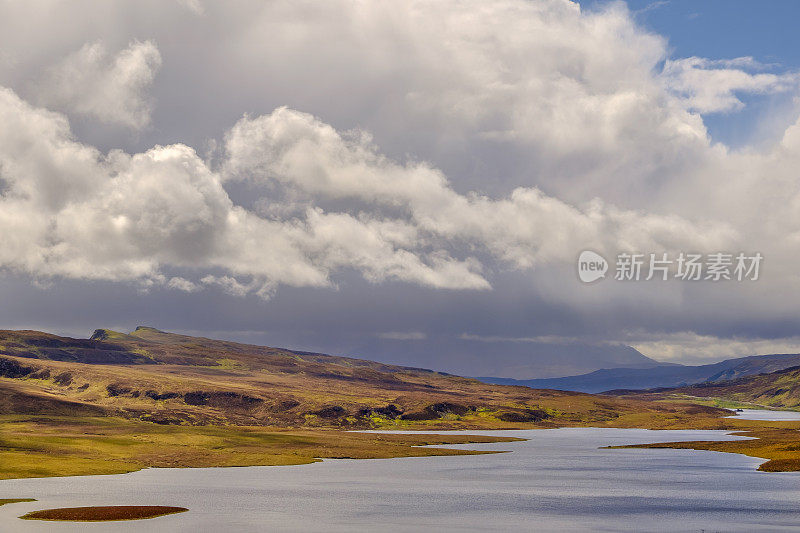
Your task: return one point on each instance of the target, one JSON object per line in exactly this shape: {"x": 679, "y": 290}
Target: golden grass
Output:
{"x": 778, "y": 443}
{"x": 43, "y": 446}
{"x": 4, "y": 501}
{"x": 306, "y": 393}
{"x": 67, "y": 446}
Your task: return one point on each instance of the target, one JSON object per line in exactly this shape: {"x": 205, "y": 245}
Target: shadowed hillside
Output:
{"x": 167, "y": 378}
{"x": 779, "y": 389}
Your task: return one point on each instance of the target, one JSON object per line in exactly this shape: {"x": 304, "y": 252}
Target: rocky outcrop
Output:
{"x": 526, "y": 415}
{"x": 437, "y": 410}
{"x": 12, "y": 369}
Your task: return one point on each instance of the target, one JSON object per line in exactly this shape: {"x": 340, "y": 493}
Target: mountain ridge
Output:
{"x": 665, "y": 376}
{"x": 468, "y": 355}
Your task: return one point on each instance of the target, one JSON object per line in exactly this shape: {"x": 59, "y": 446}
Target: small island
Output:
{"x": 4, "y": 501}
{"x": 103, "y": 513}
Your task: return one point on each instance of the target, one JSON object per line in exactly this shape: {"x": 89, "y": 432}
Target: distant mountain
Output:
{"x": 658, "y": 376}
{"x": 502, "y": 357}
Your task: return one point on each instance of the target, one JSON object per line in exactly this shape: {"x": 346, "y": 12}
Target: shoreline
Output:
{"x": 767, "y": 441}
{"x": 281, "y": 486}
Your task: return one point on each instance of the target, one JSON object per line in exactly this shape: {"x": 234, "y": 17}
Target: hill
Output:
{"x": 780, "y": 389}
{"x": 659, "y": 377}
{"x": 162, "y": 377}
{"x": 118, "y": 402}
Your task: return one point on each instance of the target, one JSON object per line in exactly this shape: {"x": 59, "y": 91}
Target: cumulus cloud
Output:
{"x": 70, "y": 211}
{"x": 130, "y": 217}
{"x": 689, "y": 346}
{"x": 182, "y": 284}
{"x": 301, "y": 152}
{"x": 713, "y": 86}
{"x": 112, "y": 89}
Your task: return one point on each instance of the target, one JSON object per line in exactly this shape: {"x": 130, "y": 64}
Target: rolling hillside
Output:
{"x": 160, "y": 377}
{"x": 118, "y": 402}
{"x": 779, "y": 389}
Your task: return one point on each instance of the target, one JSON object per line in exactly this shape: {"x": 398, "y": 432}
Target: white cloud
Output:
{"x": 110, "y": 89}
{"x": 403, "y": 335}
{"x": 182, "y": 284}
{"x": 708, "y": 86}
{"x": 69, "y": 211}
{"x": 689, "y": 346}
{"x": 128, "y": 217}
{"x": 301, "y": 152}
{"x": 195, "y": 6}
{"x": 539, "y": 339}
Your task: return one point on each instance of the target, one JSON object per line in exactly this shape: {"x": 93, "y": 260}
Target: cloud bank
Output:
{"x": 449, "y": 146}
{"x": 134, "y": 217}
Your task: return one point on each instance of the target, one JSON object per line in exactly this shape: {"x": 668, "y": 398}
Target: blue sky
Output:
{"x": 726, "y": 29}
{"x": 722, "y": 28}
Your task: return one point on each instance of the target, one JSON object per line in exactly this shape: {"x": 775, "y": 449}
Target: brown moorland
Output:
{"x": 170, "y": 379}
{"x": 103, "y": 513}
{"x": 778, "y": 442}
{"x": 120, "y": 402}
{"x": 779, "y": 389}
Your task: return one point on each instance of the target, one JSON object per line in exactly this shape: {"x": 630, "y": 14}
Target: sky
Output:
{"x": 410, "y": 182}
{"x": 720, "y": 29}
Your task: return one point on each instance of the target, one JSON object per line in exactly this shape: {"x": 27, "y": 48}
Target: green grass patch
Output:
{"x": 4, "y": 501}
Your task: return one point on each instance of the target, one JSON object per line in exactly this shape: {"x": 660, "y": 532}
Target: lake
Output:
{"x": 559, "y": 479}
{"x": 763, "y": 414}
